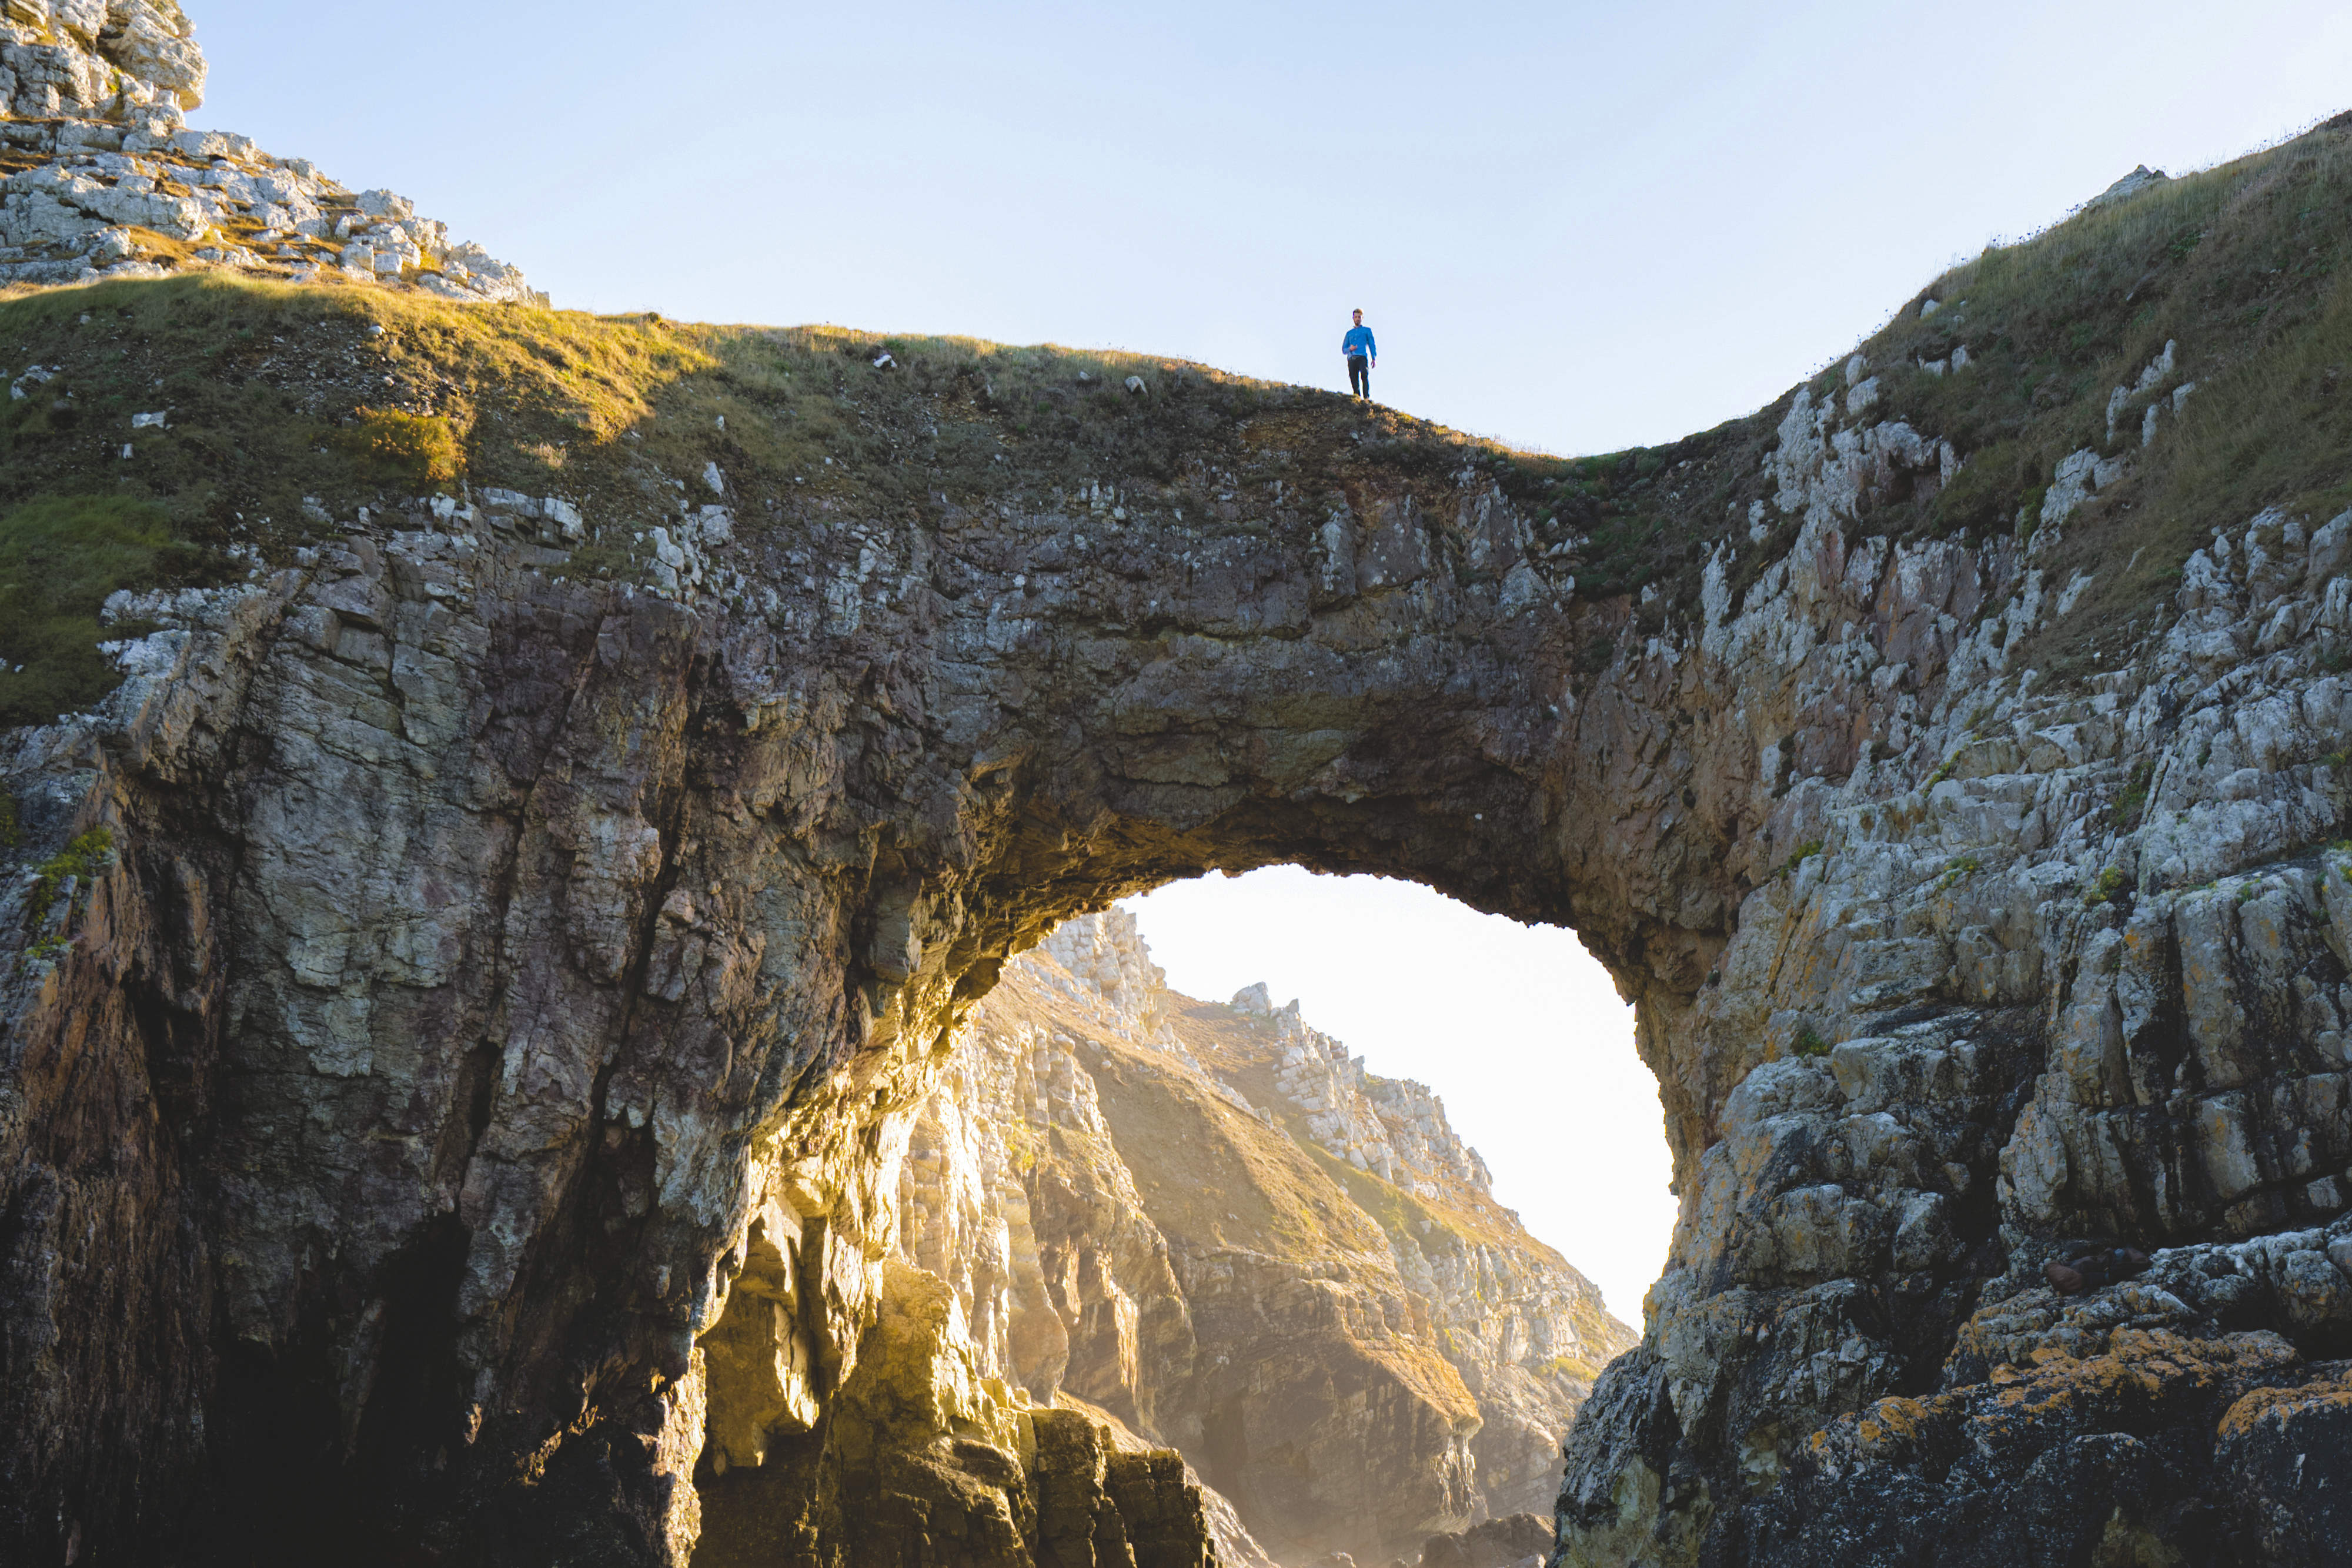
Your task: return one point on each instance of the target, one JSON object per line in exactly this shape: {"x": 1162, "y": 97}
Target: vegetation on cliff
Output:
{"x": 287, "y": 405}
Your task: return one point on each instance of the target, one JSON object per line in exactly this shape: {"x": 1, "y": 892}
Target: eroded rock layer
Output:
{"x": 478, "y": 953}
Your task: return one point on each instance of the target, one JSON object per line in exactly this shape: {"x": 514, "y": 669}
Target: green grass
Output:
{"x": 2110, "y": 883}
{"x": 2132, "y": 804}
{"x": 1394, "y": 1210}
{"x": 87, "y": 854}
{"x": 363, "y": 395}
{"x": 2244, "y": 267}
{"x": 1956, "y": 871}
{"x": 418, "y": 451}
{"x": 1803, "y": 852}
{"x": 60, "y": 559}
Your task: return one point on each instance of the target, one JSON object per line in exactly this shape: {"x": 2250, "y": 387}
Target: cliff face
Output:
{"x": 468, "y": 985}
{"x": 1357, "y": 1360}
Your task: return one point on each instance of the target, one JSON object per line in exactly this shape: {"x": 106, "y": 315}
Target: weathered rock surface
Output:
{"x": 492, "y": 979}
{"x": 100, "y": 177}
{"x": 1121, "y": 1221}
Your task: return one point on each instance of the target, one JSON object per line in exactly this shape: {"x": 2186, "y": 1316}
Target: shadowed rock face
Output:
{"x": 462, "y": 1092}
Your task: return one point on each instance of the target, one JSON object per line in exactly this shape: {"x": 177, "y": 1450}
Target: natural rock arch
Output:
{"x": 666, "y": 907}
{"x": 493, "y": 970}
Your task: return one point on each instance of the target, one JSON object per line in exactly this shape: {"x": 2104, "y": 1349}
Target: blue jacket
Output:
{"x": 1358, "y": 344}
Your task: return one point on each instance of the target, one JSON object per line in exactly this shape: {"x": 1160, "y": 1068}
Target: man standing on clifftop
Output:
{"x": 1362, "y": 355}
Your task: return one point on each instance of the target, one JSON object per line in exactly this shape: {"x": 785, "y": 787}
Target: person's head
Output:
{"x": 1360, "y": 318}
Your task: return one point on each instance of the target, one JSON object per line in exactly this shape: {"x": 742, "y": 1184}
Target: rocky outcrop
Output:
{"x": 1509, "y": 1541}
{"x": 921, "y": 1458}
{"x": 99, "y": 176}
{"x": 97, "y": 60}
{"x": 465, "y": 988}
{"x": 1121, "y": 1223}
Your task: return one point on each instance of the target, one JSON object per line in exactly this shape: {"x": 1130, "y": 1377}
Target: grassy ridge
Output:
{"x": 285, "y": 405}
{"x": 2245, "y": 268}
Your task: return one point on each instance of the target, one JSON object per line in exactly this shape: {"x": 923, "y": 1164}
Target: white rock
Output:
{"x": 2138, "y": 180}
{"x": 2158, "y": 369}
{"x": 2070, "y": 486}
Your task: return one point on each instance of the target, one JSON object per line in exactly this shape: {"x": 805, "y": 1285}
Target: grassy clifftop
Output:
{"x": 2244, "y": 268}
{"x": 286, "y": 409}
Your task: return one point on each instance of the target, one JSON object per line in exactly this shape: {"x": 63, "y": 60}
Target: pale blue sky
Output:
{"x": 1574, "y": 226}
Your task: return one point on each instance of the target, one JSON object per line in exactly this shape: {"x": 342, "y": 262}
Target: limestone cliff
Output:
{"x": 1357, "y": 1360}
{"x": 480, "y": 927}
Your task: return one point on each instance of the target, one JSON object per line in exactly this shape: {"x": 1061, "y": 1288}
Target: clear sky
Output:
{"x": 1573, "y": 226}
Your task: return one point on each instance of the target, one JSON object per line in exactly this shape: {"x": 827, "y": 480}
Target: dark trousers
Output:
{"x": 1360, "y": 375}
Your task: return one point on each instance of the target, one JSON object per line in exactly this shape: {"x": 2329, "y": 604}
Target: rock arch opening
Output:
{"x": 1207, "y": 1226}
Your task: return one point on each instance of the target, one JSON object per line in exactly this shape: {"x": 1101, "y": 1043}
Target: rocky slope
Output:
{"x": 470, "y": 969}
{"x": 99, "y": 176}
{"x": 1357, "y": 1360}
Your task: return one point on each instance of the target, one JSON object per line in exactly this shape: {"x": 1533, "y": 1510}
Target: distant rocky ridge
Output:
{"x": 99, "y": 176}
{"x": 1122, "y": 1186}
